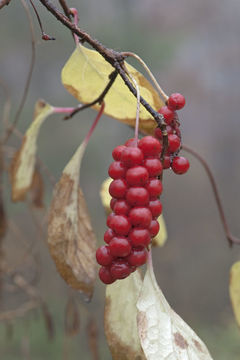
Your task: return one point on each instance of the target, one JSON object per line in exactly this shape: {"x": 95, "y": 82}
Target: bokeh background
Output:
{"x": 192, "y": 47}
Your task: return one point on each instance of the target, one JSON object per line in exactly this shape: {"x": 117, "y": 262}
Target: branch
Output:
{"x": 65, "y": 8}
{"x": 231, "y": 239}
{"x": 4, "y": 3}
{"x": 111, "y": 56}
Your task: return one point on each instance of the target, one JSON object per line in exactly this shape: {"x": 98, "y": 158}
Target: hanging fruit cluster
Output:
{"x": 135, "y": 192}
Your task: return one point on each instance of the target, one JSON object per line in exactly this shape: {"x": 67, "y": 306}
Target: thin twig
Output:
{"x": 99, "y": 100}
{"x": 4, "y": 3}
{"x": 111, "y": 56}
{"x": 231, "y": 239}
{"x": 65, "y": 8}
{"x": 29, "y": 76}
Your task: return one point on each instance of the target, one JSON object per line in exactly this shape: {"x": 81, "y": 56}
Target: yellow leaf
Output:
{"x": 71, "y": 239}
{"x": 85, "y": 76}
{"x": 23, "y": 164}
{"x": 163, "y": 334}
{"x": 234, "y": 288}
{"x": 161, "y": 237}
{"x": 120, "y": 319}
{"x": 105, "y": 196}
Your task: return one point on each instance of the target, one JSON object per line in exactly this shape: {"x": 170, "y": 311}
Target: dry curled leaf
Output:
{"x": 23, "y": 163}
{"x": 85, "y": 76}
{"x": 234, "y": 289}
{"x": 71, "y": 239}
{"x": 120, "y": 320}
{"x": 71, "y": 318}
{"x": 37, "y": 190}
{"x": 163, "y": 334}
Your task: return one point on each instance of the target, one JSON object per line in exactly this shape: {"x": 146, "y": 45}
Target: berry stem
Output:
{"x": 63, "y": 110}
{"x": 231, "y": 239}
{"x": 75, "y": 21}
{"x": 158, "y": 87}
{"x": 89, "y": 134}
{"x": 137, "y": 110}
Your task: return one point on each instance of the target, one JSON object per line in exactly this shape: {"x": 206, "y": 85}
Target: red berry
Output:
{"x": 140, "y": 237}
{"x": 105, "y": 275}
{"x": 180, "y": 165}
{"x": 154, "y": 228}
{"x": 137, "y": 196}
{"x": 119, "y": 247}
{"x": 110, "y": 218}
{"x": 155, "y": 206}
{"x": 138, "y": 175}
{"x": 153, "y": 166}
{"x": 109, "y": 235}
{"x": 104, "y": 256}
{"x": 120, "y": 225}
{"x": 158, "y": 133}
{"x": 112, "y": 203}
{"x": 154, "y": 188}
{"x": 116, "y": 170}
{"x": 131, "y": 142}
{"x": 167, "y": 113}
{"x": 178, "y": 132}
{"x": 132, "y": 156}
{"x": 140, "y": 216}
{"x": 118, "y": 188}
{"x": 176, "y": 101}
{"x": 117, "y": 152}
{"x": 150, "y": 146}
{"x": 120, "y": 269}
{"x": 166, "y": 162}
{"x": 121, "y": 207}
{"x": 138, "y": 256}
{"x": 173, "y": 143}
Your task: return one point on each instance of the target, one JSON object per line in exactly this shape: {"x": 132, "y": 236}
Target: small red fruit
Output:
{"x": 154, "y": 188}
{"x": 118, "y": 188}
{"x": 120, "y": 269}
{"x": 104, "y": 256}
{"x": 138, "y": 256}
{"x": 140, "y": 216}
{"x": 119, "y": 247}
{"x": 109, "y": 235}
{"x": 120, "y": 224}
{"x": 121, "y": 207}
{"x": 137, "y": 196}
{"x": 132, "y": 156}
{"x": 138, "y": 175}
{"x": 150, "y": 146}
{"x": 155, "y": 207}
{"x": 105, "y": 275}
{"x": 154, "y": 228}
{"x": 116, "y": 170}
{"x": 139, "y": 237}
{"x": 180, "y": 165}
{"x": 167, "y": 113}
{"x": 117, "y": 152}
{"x": 153, "y": 166}
{"x": 173, "y": 143}
{"x": 176, "y": 101}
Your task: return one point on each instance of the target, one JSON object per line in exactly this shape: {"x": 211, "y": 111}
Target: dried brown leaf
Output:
{"x": 71, "y": 239}
{"x": 23, "y": 164}
{"x": 120, "y": 320}
{"x": 92, "y": 332}
{"x": 37, "y": 190}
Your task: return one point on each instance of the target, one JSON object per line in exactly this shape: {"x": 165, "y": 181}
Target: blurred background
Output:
{"x": 192, "y": 47}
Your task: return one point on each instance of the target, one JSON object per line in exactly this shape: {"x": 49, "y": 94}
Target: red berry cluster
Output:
{"x": 179, "y": 164}
{"x": 135, "y": 190}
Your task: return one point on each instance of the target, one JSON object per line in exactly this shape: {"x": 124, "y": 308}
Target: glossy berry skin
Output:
{"x": 137, "y": 196}
{"x": 120, "y": 269}
{"x": 137, "y": 257}
{"x": 150, "y": 146}
{"x": 155, "y": 206}
{"x": 109, "y": 235}
{"x": 158, "y": 133}
{"x": 117, "y": 152}
{"x": 153, "y": 166}
{"x": 173, "y": 143}
{"x": 116, "y": 170}
{"x": 180, "y": 165}
{"x": 137, "y": 175}
{"x": 132, "y": 156}
{"x": 169, "y": 129}
{"x": 154, "y": 188}
{"x": 166, "y": 162}
{"x": 104, "y": 256}
{"x": 105, "y": 275}
{"x": 176, "y": 101}
{"x": 110, "y": 218}
{"x": 119, "y": 247}
{"x": 154, "y": 228}
{"x": 140, "y": 216}
{"x": 139, "y": 237}
{"x": 112, "y": 203}
{"x": 131, "y": 142}
{"x": 118, "y": 188}
{"x": 120, "y": 224}
{"x": 167, "y": 113}
{"x": 121, "y": 207}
